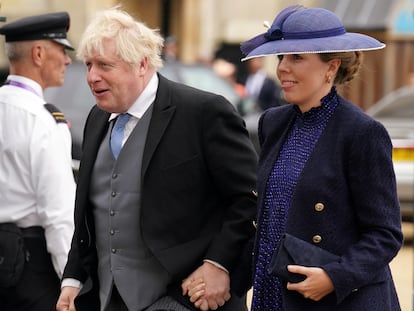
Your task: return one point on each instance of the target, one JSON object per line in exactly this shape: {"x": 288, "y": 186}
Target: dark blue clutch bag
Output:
{"x": 294, "y": 251}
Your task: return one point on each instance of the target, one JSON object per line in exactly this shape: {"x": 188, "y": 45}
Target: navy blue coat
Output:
{"x": 346, "y": 202}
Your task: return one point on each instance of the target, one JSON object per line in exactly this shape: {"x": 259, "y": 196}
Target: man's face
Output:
{"x": 115, "y": 83}
{"x": 55, "y": 63}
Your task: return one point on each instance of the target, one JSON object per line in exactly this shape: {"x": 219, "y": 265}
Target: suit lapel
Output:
{"x": 162, "y": 114}
{"x": 95, "y": 130}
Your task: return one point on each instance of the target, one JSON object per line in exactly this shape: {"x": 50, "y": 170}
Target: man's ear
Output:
{"x": 143, "y": 66}
{"x": 38, "y": 54}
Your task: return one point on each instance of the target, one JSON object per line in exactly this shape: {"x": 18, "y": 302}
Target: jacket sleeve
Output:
{"x": 232, "y": 160}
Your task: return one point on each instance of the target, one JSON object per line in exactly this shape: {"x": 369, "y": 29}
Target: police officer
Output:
{"x": 37, "y": 186}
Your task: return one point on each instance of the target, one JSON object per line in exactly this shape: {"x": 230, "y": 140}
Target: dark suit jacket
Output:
{"x": 350, "y": 173}
{"x": 198, "y": 177}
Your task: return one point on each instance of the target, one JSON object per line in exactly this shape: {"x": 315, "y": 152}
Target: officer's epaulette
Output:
{"x": 56, "y": 113}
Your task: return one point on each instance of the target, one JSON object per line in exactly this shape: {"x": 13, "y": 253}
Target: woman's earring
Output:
{"x": 328, "y": 79}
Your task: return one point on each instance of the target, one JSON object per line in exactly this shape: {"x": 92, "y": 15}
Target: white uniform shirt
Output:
{"x": 37, "y": 186}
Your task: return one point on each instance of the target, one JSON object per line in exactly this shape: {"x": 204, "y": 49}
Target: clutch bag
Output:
{"x": 294, "y": 251}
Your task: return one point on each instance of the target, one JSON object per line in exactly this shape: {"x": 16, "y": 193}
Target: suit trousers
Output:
{"x": 168, "y": 303}
{"x": 39, "y": 287}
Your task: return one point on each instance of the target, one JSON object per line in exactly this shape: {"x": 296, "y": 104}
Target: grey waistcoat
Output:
{"x": 124, "y": 259}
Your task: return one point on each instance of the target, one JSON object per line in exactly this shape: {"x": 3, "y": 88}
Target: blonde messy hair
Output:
{"x": 134, "y": 40}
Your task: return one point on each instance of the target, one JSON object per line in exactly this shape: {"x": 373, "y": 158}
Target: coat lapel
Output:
{"x": 162, "y": 114}
{"x": 95, "y": 130}
{"x": 280, "y": 123}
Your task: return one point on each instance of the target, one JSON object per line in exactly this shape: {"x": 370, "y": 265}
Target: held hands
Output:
{"x": 316, "y": 285}
{"x": 66, "y": 301}
{"x": 208, "y": 287}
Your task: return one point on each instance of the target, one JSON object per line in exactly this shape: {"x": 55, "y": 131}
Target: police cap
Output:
{"x": 51, "y": 26}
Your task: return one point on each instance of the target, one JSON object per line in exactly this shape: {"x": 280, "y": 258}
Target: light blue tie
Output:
{"x": 117, "y": 134}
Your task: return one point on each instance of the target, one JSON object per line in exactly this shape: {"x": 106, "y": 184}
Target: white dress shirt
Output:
{"x": 37, "y": 186}
{"x": 139, "y": 107}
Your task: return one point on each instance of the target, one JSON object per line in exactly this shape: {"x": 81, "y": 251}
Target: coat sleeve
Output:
{"x": 232, "y": 161}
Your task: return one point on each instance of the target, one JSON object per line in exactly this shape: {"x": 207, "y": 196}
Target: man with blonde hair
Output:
{"x": 165, "y": 184}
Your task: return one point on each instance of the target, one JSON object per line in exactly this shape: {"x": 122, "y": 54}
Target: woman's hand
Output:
{"x": 316, "y": 285}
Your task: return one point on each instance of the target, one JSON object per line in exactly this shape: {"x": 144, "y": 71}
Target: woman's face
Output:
{"x": 306, "y": 79}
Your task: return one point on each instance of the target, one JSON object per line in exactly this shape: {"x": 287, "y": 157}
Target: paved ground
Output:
{"x": 403, "y": 269}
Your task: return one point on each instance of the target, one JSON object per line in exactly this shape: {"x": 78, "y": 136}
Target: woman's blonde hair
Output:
{"x": 133, "y": 39}
{"x": 350, "y": 64}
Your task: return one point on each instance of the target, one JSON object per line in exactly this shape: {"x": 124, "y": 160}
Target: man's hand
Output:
{"x": 66, "y": 301}
{"x": 316, "y": 285}
{"x": 208, "y": 287}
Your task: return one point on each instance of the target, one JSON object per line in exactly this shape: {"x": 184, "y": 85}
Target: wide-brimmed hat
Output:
{"x": 299, "y": 30}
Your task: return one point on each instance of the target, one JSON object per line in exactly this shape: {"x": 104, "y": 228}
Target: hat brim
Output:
{"x": 65, "y": 43}
{"x": 347, "y": 42}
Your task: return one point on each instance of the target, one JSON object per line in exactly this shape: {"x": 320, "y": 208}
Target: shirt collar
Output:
{"x": 144, "y": 100}
{"x": 29, "y": 82}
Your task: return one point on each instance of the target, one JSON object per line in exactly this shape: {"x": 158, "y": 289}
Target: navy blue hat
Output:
{"x": 51, "y": 26}
{"x": 300, "y": 30}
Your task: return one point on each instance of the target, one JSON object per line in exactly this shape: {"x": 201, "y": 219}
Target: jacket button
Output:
{"x": 319, "y": 207}
{"x": 113, "y": 194}
{"x": 317, "y": 239}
